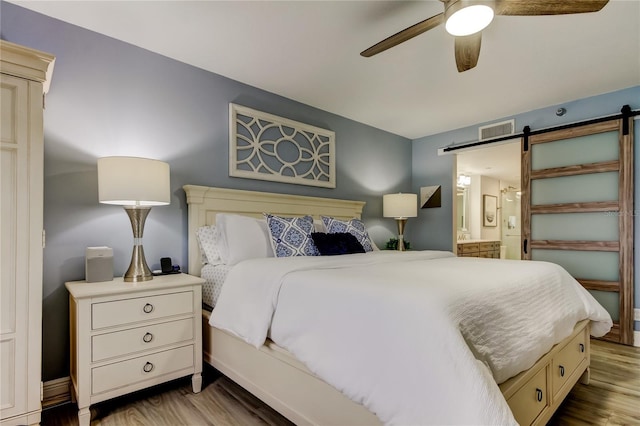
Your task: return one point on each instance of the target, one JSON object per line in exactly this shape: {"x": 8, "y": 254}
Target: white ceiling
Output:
{"x": 309, "y": 51}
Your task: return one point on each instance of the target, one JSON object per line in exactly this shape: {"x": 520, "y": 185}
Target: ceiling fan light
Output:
{"x": 467, "y": 20}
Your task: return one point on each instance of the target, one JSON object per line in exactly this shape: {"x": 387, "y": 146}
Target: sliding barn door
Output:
{"x": 578, "y": 211}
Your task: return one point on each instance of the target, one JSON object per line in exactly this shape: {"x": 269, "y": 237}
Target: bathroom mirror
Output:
{"x": 462, "y": 215}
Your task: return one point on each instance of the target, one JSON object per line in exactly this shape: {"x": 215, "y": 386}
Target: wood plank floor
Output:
{"x": 222, "y": 403}
{"x": 612, "y": 398}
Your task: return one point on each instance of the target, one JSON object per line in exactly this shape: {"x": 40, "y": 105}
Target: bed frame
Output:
{"x": 285, "y": 384}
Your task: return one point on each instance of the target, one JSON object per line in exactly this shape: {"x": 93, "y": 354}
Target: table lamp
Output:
{"x": 400, "y": 206}
{"x": 137, "y": 184}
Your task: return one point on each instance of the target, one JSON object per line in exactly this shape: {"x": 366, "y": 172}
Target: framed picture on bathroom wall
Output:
{"x": 489, "y": 210}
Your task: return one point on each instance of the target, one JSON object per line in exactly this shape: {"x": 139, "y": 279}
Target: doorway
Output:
{"x": 490, "y": 172}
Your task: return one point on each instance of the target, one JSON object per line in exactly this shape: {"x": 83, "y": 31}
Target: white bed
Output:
{"x": 287, "y": 385}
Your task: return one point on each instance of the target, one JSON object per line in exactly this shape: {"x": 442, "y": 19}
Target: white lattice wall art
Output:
{"x": 267, "y": 147}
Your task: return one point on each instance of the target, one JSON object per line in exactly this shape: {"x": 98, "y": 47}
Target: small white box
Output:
{"x": 98, "y": 264}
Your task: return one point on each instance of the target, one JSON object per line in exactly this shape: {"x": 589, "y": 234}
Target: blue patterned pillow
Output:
{"x": 291, "y": 236}
{"x": 353, "y": 226}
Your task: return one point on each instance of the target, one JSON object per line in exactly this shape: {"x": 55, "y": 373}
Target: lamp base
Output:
{"x": 401, "y": 223}
{"x": 138, "y": 269}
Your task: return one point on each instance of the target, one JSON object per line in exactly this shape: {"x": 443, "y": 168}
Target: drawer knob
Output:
{"x": 561, "y": 371}
{"x": 148, "y": 308}
{"x": 147, "y": 367}
{"x": 539, "y": 394}
{"x": 147, "y": 337}
{"x": 582, "y": 347}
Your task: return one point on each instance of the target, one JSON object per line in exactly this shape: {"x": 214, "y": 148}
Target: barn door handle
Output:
{"x": 525, "y": 245}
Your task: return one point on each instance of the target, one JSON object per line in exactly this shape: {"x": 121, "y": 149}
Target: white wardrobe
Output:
{"x": 24, "y": 77}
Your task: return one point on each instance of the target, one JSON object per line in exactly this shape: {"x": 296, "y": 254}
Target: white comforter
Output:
{"x": 415, "y": 337}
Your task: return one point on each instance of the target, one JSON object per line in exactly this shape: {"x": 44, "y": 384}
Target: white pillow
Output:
{"x": 207, "y": 241}
{"x": 241, "y": 238}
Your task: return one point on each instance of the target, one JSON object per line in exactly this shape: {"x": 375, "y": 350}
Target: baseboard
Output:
{"x": 55, "y": 392}
{"x": 636, "y": 339}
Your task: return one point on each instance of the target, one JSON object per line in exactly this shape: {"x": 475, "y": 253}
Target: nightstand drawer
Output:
{"x": 138, "y": 339}
{"x": 139, "y": 369}
{"x": 129, "y": 311}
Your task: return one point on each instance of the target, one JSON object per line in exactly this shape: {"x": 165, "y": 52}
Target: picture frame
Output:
{"x": 489, "y": 210}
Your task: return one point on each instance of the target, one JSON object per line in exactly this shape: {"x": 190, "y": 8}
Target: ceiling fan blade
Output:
{"x": 467, "y": 50}
{"x": 547, "y": 7}
{"x": 404, "y": 35}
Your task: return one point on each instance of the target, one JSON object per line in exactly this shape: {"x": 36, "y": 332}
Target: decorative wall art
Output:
{"x": 489, "y": 210}
{"x": 430, "y": 196}
{"x": 267, "y": 147}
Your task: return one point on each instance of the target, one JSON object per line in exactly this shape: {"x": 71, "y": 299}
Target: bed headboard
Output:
{"x": 204, "y": 202}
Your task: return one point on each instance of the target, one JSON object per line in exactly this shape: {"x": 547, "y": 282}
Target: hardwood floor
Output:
{"x": 612, "y": 398}
{"x": 221, "y": 403}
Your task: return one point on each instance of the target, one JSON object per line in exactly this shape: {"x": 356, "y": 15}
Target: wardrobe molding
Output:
{"x": 26, "y": 63}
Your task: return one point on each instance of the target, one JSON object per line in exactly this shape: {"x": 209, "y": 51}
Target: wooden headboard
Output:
{"x": 205, "y": 202}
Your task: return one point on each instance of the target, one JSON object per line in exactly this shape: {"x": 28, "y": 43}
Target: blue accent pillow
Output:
{"x": 353, "y": 226}
{"x": 337, "y": 243}
{"x": 291, "y": 236}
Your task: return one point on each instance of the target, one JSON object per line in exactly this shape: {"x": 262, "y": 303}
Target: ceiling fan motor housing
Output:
{"x": 466, "y": 17}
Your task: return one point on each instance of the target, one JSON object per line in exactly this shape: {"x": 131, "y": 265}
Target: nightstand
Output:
{"x": 129, "y": 336}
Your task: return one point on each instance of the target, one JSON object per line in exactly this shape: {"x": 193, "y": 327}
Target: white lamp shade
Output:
{"x": 133, "y": 181}
{"x": 400, "y": 205}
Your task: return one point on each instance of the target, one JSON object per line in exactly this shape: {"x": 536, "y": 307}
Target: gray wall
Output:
{"x": 111, "y": 98}
{"x": 435, "y": 225}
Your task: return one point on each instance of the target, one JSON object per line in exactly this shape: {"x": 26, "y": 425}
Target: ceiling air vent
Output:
{"x": 496, "y": 130}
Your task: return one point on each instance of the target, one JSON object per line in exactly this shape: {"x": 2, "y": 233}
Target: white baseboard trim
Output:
{"x": 636, "y": 339}
{"x": 55, "y": 392}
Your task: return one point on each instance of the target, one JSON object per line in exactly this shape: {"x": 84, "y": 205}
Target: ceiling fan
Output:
{"x": 465, "y": 19}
